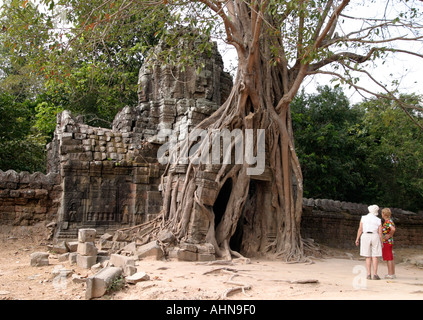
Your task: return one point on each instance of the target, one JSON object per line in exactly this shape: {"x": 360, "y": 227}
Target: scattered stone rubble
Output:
{"x": 39, "y": 259}
{"x": 111, "y": 258}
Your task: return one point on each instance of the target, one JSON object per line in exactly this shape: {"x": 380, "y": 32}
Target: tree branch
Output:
{"x": 232, "y": 32}
{"x": 323, "y": 18}
{"x": 338, "y": 57}
{"x": 391, "y": 96}
{"x": 333, "y": 19}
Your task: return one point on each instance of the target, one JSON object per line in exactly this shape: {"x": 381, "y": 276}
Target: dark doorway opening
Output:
{"x": 221, "y": 202}
{"x": 249, "y": 206}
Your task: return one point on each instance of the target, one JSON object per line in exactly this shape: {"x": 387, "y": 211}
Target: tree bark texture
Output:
{"x": 260, "y": 99}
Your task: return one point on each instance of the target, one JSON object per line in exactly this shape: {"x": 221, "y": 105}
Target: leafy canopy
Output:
{"x": 367, "y": 153}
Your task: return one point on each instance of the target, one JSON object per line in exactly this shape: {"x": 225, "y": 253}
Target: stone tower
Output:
{"x": 110, "y": 177}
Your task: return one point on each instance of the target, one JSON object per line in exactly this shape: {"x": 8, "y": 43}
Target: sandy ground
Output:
{"x": 339, "y": 275}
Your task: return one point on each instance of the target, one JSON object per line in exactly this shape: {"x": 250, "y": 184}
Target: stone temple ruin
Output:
{"x": 109, "y": 179}
{"x": 102, "y": 182}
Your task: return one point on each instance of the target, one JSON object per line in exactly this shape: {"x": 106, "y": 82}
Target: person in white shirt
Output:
{"x": 369, "y": 236}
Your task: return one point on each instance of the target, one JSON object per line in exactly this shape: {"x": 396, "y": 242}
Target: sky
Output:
{"x": 406, "y": 69}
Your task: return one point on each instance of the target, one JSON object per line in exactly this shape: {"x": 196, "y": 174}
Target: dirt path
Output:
{"x": 339, "y": 276}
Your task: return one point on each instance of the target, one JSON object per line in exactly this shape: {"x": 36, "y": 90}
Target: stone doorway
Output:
{"x": 221, "y": 202}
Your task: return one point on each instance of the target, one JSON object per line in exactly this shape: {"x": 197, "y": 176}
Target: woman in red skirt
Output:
{"x": 388, "y": 230}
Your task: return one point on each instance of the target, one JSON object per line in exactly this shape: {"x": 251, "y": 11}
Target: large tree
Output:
{"x": 278, "y": 45}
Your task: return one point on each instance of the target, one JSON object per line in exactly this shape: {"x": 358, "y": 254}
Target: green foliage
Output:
{"x": 395, "y": 152}
{"x": 328, "y": 135}
{"x": 45, "y": 118}
{"x": 88, "y": 54}
{"x": 369, "y": 153}
{"x": 20, "y": 148}
{"x": 96, "y": 92}
{"x": 117, "y": 284}
{"x": 65, "y": 57}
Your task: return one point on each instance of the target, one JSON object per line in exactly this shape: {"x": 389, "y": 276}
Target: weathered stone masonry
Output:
{"x": 106, "y": 183}
{"x": 335, "y": 223}
{"x": 110, "y": 177}
{"x": 26, "y": 199}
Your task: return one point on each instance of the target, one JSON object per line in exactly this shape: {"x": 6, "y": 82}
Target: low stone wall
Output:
{"x": 335, "y": 223}
{"x": 26, "y": 199}
{"x": 109, "y": 178}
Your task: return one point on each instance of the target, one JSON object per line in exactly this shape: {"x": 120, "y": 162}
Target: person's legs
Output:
{"x": 369, "y": 266}
{"x": 375, "y": 265}
{"x": 391, "y": 267}
{"x": 389, "y": 258}
{"x": 376, "y": 250}
{"x": 365, "y": 251}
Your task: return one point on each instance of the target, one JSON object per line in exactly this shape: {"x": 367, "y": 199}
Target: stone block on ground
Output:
{"x": 63, "y": 257}
{"x": 151, "y": 249}
{"x": 73, "y": 246}
{"x": 102, "y": 259}
{"x": 130, "y": 247}
{"x": 39, "y": 259}
{"x": 87, "y": 249}
{"x": 120, "y": 236}
{"x": 59, "y": 248}
{"x": 205, "y": 248}
{"x": 137, "y": 277}
{"x": 86, "y": 235}
{"x": 119, "y": 260}
{"x": 98, "y": 284}
{"x": 96, "y": 267}
{"x": 78, "y": 279}
{"x": 72, "y": 257}
{"x": 206, "y": 257}
{"x": 106, "y": 236}
{"x": 129, "y": 270}
{"x": 206, "y": 252}
{"x": 85, "y": 262}
{"x": 185, "y": 255}
{"x": 105, "y": 244}
{"x": 166, "y": 236}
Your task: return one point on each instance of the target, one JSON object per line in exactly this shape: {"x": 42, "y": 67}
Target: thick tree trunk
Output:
{"x": 260, "y": 99}
{"x": 251, "y": 105}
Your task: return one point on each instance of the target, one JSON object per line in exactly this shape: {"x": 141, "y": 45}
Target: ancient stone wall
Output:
{"x": 26, "y": 199}
{"x": 108, "y": 179}
{"x": 335, "y": 223}
{"x": 111, "y": 177}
